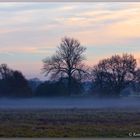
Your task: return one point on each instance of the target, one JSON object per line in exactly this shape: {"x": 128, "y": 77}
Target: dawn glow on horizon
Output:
{"x": 29, "y": 32}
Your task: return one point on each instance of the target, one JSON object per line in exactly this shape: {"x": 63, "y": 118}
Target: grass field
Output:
{"x": 69, "y": 122}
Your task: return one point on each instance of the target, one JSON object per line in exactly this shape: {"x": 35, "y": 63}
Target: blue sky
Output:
{"x": 29, "y": 32}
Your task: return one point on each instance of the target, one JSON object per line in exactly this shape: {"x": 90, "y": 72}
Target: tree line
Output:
{"x": 68, "y": 75}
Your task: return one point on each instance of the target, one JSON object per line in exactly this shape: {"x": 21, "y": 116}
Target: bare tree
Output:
{"x": 5, "y": 72}
{"x": 137, "y": 80}
{"x": 67, "y": 61}
{"x": 113, "y": 74}
{"x": 13, "y": 83}
{"x": 137, "y": 75}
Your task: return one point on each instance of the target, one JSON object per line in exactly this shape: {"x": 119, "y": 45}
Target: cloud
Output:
{"x": 31, "y": 31}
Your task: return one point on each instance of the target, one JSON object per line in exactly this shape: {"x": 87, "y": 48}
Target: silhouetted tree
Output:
{"x": 51, "y": 89}
{"x": 19, "y": 85}
{"x": 76, "y": 85}
{"x": 13, "y": 83}
{"x": 67, "y": 61}
{"x": 5, "y": 72}
{"x": 113, "y": 74}
{"x": 58, "y": 88}
{"x": 137, "y": 75}
{"x": 34, "y": 83}
{"x": 136, "y": 82}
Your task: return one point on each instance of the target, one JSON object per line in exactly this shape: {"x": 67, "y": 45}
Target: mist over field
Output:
{"x": 69, "y": 102}
{"x": 69, "y": 70}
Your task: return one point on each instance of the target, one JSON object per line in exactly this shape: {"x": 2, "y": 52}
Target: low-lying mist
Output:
{"x": 68, "y": 102}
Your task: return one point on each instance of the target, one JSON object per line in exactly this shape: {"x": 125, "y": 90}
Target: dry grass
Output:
{"x": 68, "y": 123}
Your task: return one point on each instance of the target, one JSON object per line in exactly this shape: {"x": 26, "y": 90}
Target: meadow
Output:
{"x": 74, "y": 122}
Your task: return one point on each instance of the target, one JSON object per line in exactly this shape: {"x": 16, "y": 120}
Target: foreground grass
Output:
{"x": 68, "y": 123}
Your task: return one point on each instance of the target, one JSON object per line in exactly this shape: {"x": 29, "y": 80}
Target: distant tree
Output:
{"x": 51, "y": 89}
{"x": 13, "y": 83}
{"x": 19, "y": 85}
{"x": 5, "y": 72}
{"x": 34, "y": 83}
{"x": 67, "y": 61}
{"x": 57, "y": 88}
{"x": 136, "y": 84}
{"x": 76, "y": 85}
{"x": 113, "y": 74}
{"x": 137, "y": 75}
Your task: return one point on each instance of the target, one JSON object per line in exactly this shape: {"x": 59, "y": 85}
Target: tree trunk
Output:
{"x": 69, "y": 83}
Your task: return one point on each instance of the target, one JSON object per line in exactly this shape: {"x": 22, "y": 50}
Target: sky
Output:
{"x": 29, "y": 32}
